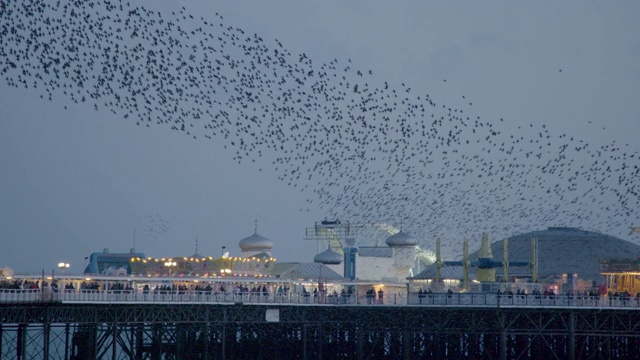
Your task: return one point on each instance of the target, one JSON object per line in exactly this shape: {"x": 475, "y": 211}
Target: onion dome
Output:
{"x": 328, "y": 257}
{"x": 256, "y": 242}
{"x": 401, "y": 239}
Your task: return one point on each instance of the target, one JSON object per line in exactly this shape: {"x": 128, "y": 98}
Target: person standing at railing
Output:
{"x": 625, "y": 296}
{"x": 380, "y": 296}
{"x": 610, "y": 296}
{"x": 536, "y": 294}
{"x": 371, "y": 295}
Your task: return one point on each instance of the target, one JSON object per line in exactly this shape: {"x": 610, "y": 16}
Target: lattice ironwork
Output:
{"x": 178, "y": 331}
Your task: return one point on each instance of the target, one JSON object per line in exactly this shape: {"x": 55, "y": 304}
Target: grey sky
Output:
{"x": 75, "y": 180}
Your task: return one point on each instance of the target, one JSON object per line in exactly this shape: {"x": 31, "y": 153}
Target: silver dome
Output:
{"x": 328, "y": 257}
{"x": 256, "y": 242}
{"x": 401, "y": 239}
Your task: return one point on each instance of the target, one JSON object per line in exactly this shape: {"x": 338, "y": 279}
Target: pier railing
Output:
{"x": 414, "y": 299}
{"x": 523, "y": 300}
{"x": 163, "y": 296}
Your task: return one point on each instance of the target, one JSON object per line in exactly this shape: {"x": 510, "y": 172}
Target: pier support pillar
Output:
{"x": 503, "y": 338}
{"x": 572, "y": 335}
{"x": 21, "y": 342}
{"x": 46, "y": 333}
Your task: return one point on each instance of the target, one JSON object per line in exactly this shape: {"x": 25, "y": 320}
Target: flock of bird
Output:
{"x": 362, "y": 148}
{"x": 154, "y": 228}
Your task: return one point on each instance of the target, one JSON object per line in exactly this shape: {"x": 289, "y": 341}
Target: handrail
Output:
{"x": 414, "y": 299}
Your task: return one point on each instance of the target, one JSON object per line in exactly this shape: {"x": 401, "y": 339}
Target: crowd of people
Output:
{"x": 20, "y": 285}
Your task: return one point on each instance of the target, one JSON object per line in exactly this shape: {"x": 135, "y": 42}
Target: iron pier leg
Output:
{"x": 114, "y": 335}
{"x": 503, "y": 338}
{"x": 359, "y": 341}
{"x": 45, "y": 339}
{"x": 21, "y": 342}
{"x": 156, "y": 342}
{"x": 320, "y": 337}
{"x": 139, "y": 341}
{"x": 304, "y": 341}
{"x": 206, "y": 338}
{"x": 572, "y": 335}
{"x": 180, "y": 338}
{"x": 66, "y": 341}
{"x": 406, "y": 346}
{"x": 223, "y": 340}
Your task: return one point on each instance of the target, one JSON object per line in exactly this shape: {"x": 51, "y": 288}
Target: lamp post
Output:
{"x": 170, "y": 264}
{"x": 63, "y": 266}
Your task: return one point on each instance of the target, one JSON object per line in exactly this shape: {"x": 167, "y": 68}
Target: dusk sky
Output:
{"x": 75, "y": 180}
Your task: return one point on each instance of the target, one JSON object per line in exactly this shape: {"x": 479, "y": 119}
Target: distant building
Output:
{"x": 106, "y": 263}
{"x": 400, "y": 256}
{"x": 568, "y": 257}
{"x": 562, "y": 251}
{"x": 621, "y": 275}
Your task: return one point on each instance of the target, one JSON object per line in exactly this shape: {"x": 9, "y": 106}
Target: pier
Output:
{"x": 199, "y": 330}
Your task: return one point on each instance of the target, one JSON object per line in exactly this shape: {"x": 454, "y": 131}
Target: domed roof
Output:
{"x": 256, "y": 242}
{"x": 328, "y": 257}
{"x": 564, "y": 250}
{"x": 401, "y": 239}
